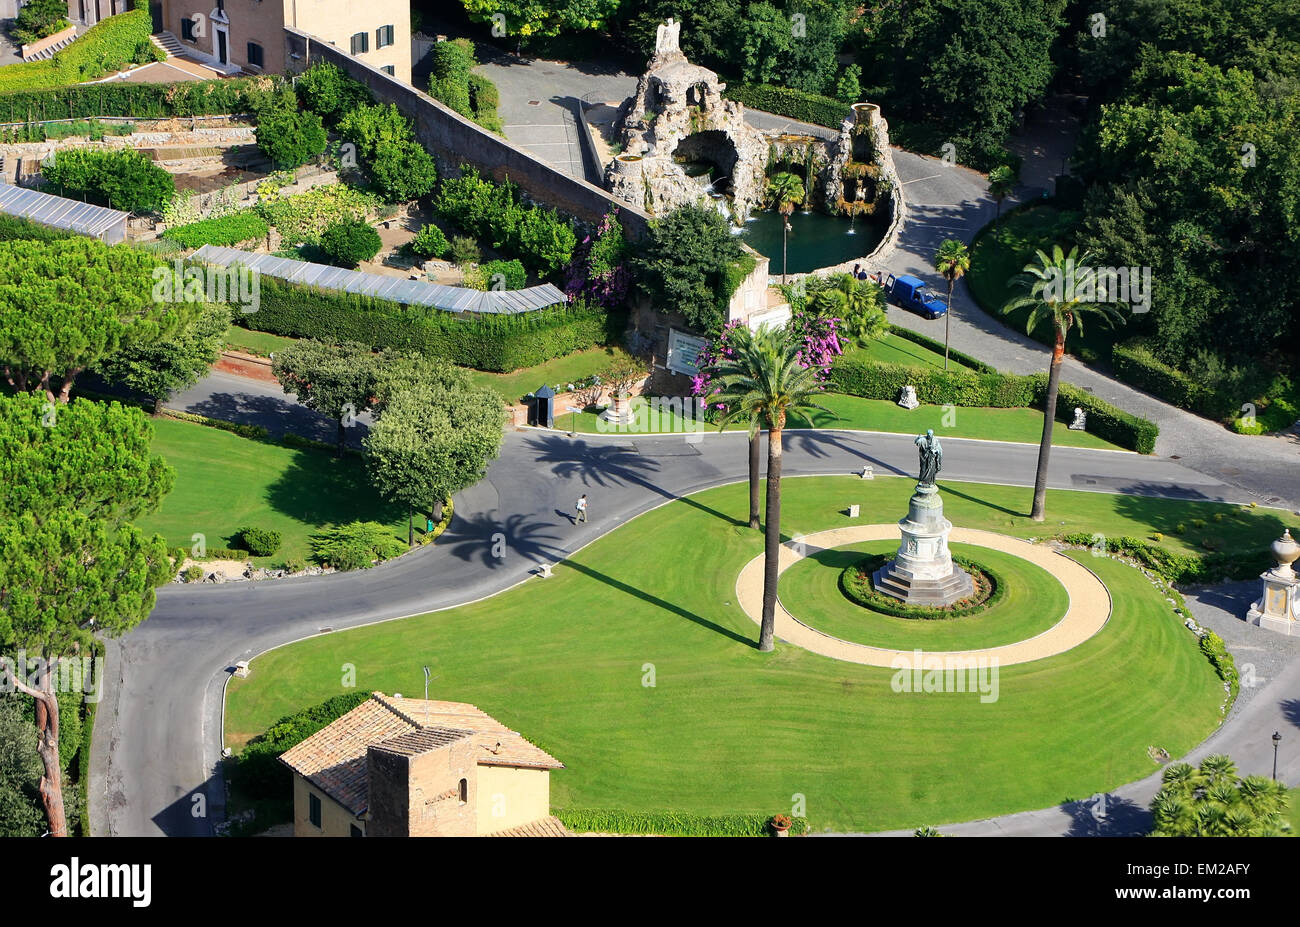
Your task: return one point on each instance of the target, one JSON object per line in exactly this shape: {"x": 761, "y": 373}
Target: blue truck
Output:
{"x": 911, "y": 293}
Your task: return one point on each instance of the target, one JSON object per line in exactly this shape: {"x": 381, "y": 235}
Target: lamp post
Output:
{"x": 1277, "y": 739}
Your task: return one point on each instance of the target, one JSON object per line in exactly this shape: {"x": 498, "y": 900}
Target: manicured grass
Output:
{"x": 726, "y": 729}
{"x": 891, "y": 349}
{"x": 1293, "y": 811}
{"x": 854, "y": 412}
{"x": 225, "y": 482}
{"x": 1034, "y": 601}
{"x": 259, "y": 343}
{"x": 999, "y": 253}
{"x": 563, "y": 370}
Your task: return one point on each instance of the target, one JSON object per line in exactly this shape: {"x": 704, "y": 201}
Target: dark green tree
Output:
{"x": 683, "y": 265}
{"x": 174, "y": 363}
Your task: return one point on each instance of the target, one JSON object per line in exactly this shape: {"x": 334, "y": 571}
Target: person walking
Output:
{"x": 582, "y": 509}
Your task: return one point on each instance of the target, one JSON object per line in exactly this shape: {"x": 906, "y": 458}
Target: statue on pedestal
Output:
{"x": 931, "y": 457}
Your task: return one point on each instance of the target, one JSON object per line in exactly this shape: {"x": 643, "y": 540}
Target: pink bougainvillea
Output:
{"x": 818, "y": 336}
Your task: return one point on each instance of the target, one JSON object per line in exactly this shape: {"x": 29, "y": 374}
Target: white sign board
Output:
{"x": 683, "y": 352}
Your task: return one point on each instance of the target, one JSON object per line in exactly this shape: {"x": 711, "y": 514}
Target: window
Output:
{"x": 187, "y": 29}
{"x": 383, "y": 36}
{"x": 355, "y": 832}
{"x": 361, "y": 43}
{"x": 389, "y": 70}
{"x": 464, "y": 791}
{"x": 313, "y": 809}
{"x": 255, "y": 56}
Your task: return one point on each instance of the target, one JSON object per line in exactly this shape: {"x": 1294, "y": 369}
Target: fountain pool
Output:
{"x": 816, "y": 240}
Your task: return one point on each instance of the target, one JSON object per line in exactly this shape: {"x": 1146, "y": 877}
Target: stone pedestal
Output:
{"x": 1278, "y": 607}
{"x": 922, "y": 572}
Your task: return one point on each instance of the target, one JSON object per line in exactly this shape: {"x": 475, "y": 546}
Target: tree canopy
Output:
{"x": 176, "y": 362}
{"x": 684, "y": 265}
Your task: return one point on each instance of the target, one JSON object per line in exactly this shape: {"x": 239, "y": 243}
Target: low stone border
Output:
{"x": 1087, "y": 614}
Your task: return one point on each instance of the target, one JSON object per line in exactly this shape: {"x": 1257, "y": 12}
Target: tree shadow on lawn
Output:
{"x": 661, "y": 603}
{"x": 318, "y": 488}
{"x": 608, "y": 465}
{"x": 472, "y": 537}
{"x": 948, "y": 489}
{"x": 1234, "y": 532}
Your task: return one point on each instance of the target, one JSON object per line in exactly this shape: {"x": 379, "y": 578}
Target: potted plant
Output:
{"x": 780, "y": 824}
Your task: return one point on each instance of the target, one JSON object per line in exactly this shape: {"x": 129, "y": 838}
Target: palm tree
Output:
{"x": 763, "y": 380}
{"x": 952, "y": 260}
{"x": 784, "y": 192}
{"x": 1056, "y": 288}
{"x": 858, "y": 304}
{"x": 1002, "y": 180}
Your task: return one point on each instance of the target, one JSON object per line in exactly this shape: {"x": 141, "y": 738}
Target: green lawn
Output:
{"x": 225, "y": 482}
{"x": 891, "y": 349}
{"x": 999, "y": 253}
{"x": 1034, "y": 601}
{"x": 854, "y": 412}
{"x": 726, "y": 729}
{"x": 514, "y": 386}
{"x": 259, "y": 343}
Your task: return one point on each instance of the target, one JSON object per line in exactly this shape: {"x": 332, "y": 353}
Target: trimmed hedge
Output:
{"x": 1135, "y": 364}
{"x": 253, "y": 432}
{"x": 495, "y": 343}
{"x": 805, "y": 107}
{"x": 672, "y": 823}
{"x": 873, "y": 380}
{"x": 1216, "y": 651}
{"x": 142, "y": 101}
{"x": 260, "y": 542}
{"x": 857, "y": 585}
{"x": 226, "y": 231}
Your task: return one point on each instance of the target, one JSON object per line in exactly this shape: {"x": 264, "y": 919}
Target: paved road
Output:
{"x": 159, "y": 728}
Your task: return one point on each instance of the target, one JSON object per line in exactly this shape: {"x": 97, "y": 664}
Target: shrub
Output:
{"x": 253, "y": 432}
{"x": 671, "y": 823}
{"x": 293, "y": 565}
{"x": 226, "y": 231}
{"x": 539, "y": 237}
{"x": 328, "y": 90}
{"x": 194, "y": 573}
{"x": 354, "y": 546}
{"x": 260, "y": 542}
{"x": 399, "y": 167}
{"x": 1217, "y": 653}
{"x": 349, "y": 242}
{"x": 497, "y": 275}
{"x": 121, "y": 178}
{"x": 857, "y": 585}
{"x": 39, "y": 19}
{"x": 805, "y": 107}
{"x": 290, "y": 137}
{"x": 464, "y": 250}
{"x": 224, "y": 553}
{"x": 429, "y": 242}
{"x": 300, "y": 219}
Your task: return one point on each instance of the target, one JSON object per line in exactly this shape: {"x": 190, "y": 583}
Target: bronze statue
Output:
{"x": 931, "y": 457}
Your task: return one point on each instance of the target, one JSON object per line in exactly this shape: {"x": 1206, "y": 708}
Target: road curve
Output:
{"x": 158, "y": 736}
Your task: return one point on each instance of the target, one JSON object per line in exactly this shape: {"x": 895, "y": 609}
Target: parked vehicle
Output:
{"x": 911, "y": 293}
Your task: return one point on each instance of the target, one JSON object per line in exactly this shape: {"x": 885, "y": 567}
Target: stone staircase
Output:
{"x": 50, "y": 52}
{"x": 168, "y": 42}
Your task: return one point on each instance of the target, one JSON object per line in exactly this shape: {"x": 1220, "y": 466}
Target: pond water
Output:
{"x": 816, "y": 240}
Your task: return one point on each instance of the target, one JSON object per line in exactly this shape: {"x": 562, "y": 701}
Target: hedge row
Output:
{"x": 1216, "y": 651}
{"x": 671, "y": 823}
{"x": 106, "y": 46}
{"x": 873, "y": 380}
{"x": 1180, "y": 569}
{"x": 252, "y": 432}
{"x": 1135, "y": 364}
{"x": 226, "y": 231}
{"x": 143, "y": 101}
{"x": 805, "y": 107}
{"x": 925, "y": 341}
{"x": 857, "y": 582}
{"x": 499, "y": 344}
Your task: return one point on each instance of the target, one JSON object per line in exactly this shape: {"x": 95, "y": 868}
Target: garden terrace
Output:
{"x": 393, "y": 289}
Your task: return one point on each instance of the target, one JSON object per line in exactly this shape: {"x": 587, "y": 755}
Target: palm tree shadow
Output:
{"x": 608, "y": 465}
{"x": 1117, "y": 817}
{"x": 1291, "y": 708}
{"x": 660, "y": 603}
{"x": 497, "y": 543}
{"x": 949, "y": 490}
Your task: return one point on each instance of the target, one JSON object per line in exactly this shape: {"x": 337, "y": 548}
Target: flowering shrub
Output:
{"x": 597, "y": 270}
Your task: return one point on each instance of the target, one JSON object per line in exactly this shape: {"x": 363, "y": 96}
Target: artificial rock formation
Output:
{"x": 678, "y": 115}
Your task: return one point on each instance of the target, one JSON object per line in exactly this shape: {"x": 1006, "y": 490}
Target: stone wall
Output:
{"x": 454, "y": 140}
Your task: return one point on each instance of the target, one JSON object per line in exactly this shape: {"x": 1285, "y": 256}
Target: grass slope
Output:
{"x": 725, "y": 729}
{"x": 225, "y": 482}
{"x": 1034, "y": 601}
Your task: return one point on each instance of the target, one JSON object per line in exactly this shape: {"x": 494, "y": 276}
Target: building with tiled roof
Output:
{"x": 395, "y": 766}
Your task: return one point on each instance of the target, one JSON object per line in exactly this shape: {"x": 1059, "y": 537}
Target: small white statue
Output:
{"x": 1080, "y": 422}
{"x": 907, "y": 399}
